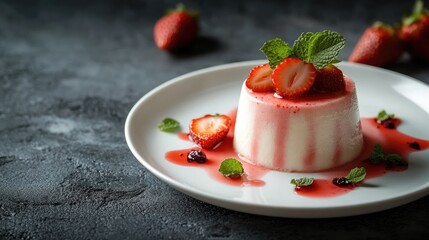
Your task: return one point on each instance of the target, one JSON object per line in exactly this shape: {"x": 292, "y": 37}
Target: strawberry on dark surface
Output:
{"x": 293, "y": 77}
{"x": 259, "y": 79}
{"x": 209, "y": 130}
{"x": 415, "y": 32}
{"x": 378, "y": 46}
{"x": 329, "y": 79}
{"x": 177, "y": 29}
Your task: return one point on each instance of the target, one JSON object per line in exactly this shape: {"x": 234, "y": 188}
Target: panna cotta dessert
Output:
{"x": 309, "y": 134}
{"x": 297, "y": 114}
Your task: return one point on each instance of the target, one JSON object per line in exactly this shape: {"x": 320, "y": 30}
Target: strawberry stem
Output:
{"x": 418, "y": 7}
{"x": 180, "y": 7}
{"x": 418, "y": 12}
{"x": 382, "y": 25}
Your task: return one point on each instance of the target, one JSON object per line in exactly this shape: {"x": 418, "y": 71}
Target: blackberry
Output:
{"x": 389, "y": 123}
{"x": 197, "y": 156}
{"x": 414, "y": 145}
{"x": 341, "y": 182}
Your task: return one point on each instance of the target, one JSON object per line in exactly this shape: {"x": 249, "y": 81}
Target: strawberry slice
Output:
{"x": 329, "y": 79}
{"x": 293, "y": 77}
{"x": 259, "y": 79}
{"x": 209, "y": 130}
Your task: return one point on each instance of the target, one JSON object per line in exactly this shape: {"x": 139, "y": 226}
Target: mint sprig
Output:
{"x": 169, "y": 125}
{"x": 300, "y": 46}
{"x": 231, "y": 167}
{"x": 356, "y": 175}
{"x": 302, "y": 182}
{"x": 393, "y": 160}
{"x": 320, "y": 48}
{"x": 383, "y": 116}
{"x": 378, "y": 156}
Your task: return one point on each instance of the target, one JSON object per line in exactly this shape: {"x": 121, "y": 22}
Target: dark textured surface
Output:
{"x": 71, "y": 70}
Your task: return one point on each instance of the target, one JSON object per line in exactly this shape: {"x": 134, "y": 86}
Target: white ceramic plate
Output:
{"x": 216, "y": 90}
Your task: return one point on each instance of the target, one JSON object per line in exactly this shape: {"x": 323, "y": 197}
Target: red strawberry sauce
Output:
{"x": 391, "y": 140}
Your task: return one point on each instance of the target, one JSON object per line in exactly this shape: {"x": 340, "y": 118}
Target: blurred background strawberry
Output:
{"x": 177, "y": 29}
{"x": 382, "y": 45}
{"x": 415, "y": 32}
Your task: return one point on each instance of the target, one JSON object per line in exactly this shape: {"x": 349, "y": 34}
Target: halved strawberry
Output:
{"x": 209, "y": 130}
{"x": 329, "y": 79}
{"x": 259, "y": 79}
{"x": 293, "y": 77}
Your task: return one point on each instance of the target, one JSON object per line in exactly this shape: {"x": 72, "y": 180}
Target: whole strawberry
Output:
{"x": 415, "y": 32}
{"x": 378, "y": 46}
{"x": 175, "y": 30}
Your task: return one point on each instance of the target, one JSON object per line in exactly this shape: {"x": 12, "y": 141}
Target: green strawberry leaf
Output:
{"x": 276, "y": 50}
{"x": 418, "y": 12}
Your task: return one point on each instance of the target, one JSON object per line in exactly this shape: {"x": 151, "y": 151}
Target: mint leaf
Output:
{"x": 324, "y": 48}
{"x": 395, "y": 160}
{"x": 231, "y": 167}
{"x": 356, "y": 175}
{"x": 335, "y": 61}
{"x": 383, "y": 116}
{"x": 300, "y": 46}
{"x": 302, "y": 182}
{"x": 169, "y": 125}
{"x": 276, "y": 50}
{"x": 377, "y": 155}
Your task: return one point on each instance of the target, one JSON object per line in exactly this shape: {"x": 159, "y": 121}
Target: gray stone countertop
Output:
{"x": 70, "y": 71}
